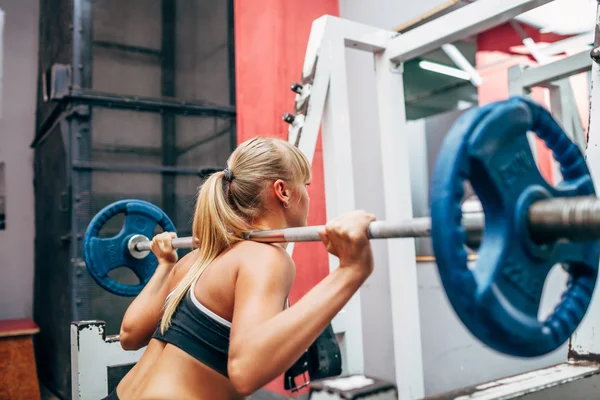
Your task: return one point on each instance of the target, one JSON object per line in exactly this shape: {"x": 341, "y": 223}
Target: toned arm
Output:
{"x": 142, "y": 315}
{"x": 265, "y": 340}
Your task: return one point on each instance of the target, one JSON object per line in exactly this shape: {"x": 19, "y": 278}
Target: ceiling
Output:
{"x": 563, "y": 17}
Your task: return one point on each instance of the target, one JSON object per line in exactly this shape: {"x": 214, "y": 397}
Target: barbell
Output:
{"x": 527, "y": 226}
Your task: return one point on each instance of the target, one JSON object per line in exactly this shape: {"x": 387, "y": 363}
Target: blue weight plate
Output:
{"x": 498, "y": 300}
{"x": 102, "y": 255}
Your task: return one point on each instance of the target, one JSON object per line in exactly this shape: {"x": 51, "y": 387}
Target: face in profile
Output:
{"x": 297, "y": 200}
{"x": 299, "y": 207}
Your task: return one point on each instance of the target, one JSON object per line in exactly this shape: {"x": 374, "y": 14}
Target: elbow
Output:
{"x": 128, "y": 339}
{"x": 242, "y": 378}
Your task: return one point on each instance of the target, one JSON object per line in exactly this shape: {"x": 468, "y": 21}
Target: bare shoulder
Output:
{"x": 182, "y": 267}
{"x": 265, "y": 259}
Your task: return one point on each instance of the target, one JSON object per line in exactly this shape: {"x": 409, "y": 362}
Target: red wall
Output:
{"x": 270, "y": 43}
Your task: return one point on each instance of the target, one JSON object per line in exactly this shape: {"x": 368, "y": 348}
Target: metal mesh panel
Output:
{"x": 135, "y": 52}
{"x": 52, "y": 300}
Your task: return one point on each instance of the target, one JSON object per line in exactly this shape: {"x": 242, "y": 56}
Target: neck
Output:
{"x": 272, "y": 222}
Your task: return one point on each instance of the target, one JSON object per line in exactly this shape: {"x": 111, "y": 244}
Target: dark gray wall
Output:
{"x": 201, "y": 73}
{"x": 17, "y": 125}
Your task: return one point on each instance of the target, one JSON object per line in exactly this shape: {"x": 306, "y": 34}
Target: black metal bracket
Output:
{"x": 595, "y": 54}
{"x": 58, "y": 86}
{"x": 94, "y": 166}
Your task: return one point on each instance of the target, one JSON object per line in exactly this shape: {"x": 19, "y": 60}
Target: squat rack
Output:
{"x": 381, "y": 183}
{"x": 353, "y": 182}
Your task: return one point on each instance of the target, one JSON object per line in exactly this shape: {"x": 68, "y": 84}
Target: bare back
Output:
{"x": 165, "y": 371}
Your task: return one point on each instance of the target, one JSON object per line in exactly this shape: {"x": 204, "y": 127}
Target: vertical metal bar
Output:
{"x": 340, "y": 195}
{"x": 169, "y": 142}
{"x": 516, "y": 87}
{"x": 558, "y": 112}
{"x": 406, "y": 323}
{"x": 79, "y": 132}
{"x": 584, "y": 343}
{"x": 231, "y": 68}
{"x": 82, "y": 43}
{"x": 569, "y": 105}
{"x": 316, "y": 75}
{"x": 80, "y": 150}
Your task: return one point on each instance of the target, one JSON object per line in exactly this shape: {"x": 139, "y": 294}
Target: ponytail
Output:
{"x": 216, "y": 226}
{"x": 230, "y": 200}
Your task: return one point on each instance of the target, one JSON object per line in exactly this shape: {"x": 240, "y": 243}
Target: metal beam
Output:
{"x": 544, "y": 75}
{"x": 169, "y": 129}
{"x": 107, "y": 44}
{"x": 151, "y": 169}
{"x": 231, "y": 71}
{"x": 584, "y": 342}
{"x": 149, "y": 104}
{"x": 546, "y": 383}
{"x": 584, "y": 39}
{"x": 461, "y": 62}
{"x": 468, "y": 20}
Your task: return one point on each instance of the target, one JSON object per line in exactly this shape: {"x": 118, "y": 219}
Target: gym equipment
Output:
{"x": 529, "y": 227}
{"x": 103, "y": 255}
{"x": 499, "y": 299}
{"x": 552, "y": 223}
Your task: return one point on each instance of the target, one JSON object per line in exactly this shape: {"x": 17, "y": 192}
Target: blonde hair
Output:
{"x": 226, "y": 209}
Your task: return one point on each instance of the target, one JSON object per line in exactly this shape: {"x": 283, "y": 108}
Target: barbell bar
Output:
{"x": 576, "y": 219}
{"x": 527, "y": 226}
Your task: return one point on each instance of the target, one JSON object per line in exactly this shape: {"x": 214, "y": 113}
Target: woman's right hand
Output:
{"x": 346, "y": 238}
{"x": 163, "y": 249}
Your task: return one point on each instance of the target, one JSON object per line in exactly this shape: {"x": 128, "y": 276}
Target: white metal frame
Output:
{"x": 91, "y": 355}
{"x": 324, "y": 73}
{"x": 555, "y": 77}
{"x": 323, "y": 103}
{"x": 326, "y": 91}
{"x": 585, "y": 343}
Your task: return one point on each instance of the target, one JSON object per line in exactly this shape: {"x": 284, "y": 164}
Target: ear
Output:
{"x": 282, "y": 191}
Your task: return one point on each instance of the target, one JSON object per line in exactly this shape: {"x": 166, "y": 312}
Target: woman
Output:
{"x": 224, "y": 330}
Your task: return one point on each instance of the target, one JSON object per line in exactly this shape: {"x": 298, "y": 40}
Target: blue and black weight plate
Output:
{"x": 498, "y": 300}
{"x": 103, "y": 255}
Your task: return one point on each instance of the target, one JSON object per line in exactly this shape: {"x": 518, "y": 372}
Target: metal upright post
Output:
{"x": 169, "y": 140}
{"x": 340, "y": 195}
{"x": 231, "y": 66}
{"x": 80, "y": 149}
{"x": 584, "y": 343}
{"x": 404, "y": 288}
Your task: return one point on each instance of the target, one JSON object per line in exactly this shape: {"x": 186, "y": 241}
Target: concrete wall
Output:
{"x": 124, "y": 137}
{"x": 201, "y": 73}
{"x": 452, "y": 357}
{"x": 17, "y": 125}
